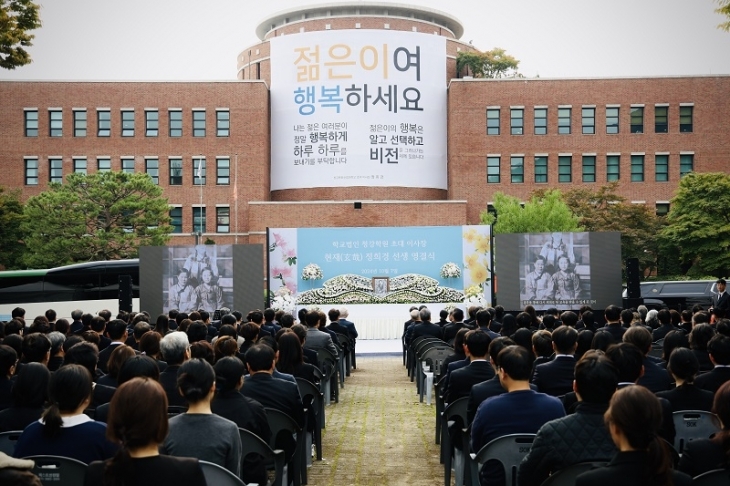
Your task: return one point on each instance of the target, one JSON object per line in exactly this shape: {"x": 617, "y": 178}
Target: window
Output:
{"x": 517, "y": 119}
{"x": 175, "y": 123}
{"x": 198, "y": 171}
{"x": 661, "y": 119}
{"x": 662, "y": 167}
{"x": 151, "y": 123}
{"x": 589, "y": 168}
{"x": 79, "y": 165}
{"x": 176, "y": 172}
{"x": 104, "y": 164}
{"x": 564, "y": 121}
{"x": 223, "y": 171}
{"x": 128, "y": 165}
{"x": 588, "y": 123}
{"x": 198, "y": 123}
{"x": 199, "y": 220}
{"x": 104, "y": 123}
{"x": 176, "y": 219}
{"x": 55, "y": 170}
{"x": 222, "y": 123}
{"x": 127, "y": 123}
{"x": 685, "y": 118}
{"x": 223, "y": 220}
{"x": 686, "y": 164}
{"x": 517, "y": 169}
{"x": 662, "y": 208}
{"x": 565, "y": 168}
{"x": 613, "y": 167}
{"x": 55, "y": 118}
{"x": 637, "y": 119}
{"x": 612, "y": 119}
{"x": 541, "y": 168}
{"x": 540, "y": 121}
{"x": 492, "y": 121}
{"x": 493, "y": 170}
{"x": 637, "y": 168}
{"x": 79, "y": 123}
{"x": 31, "y": 171}
{"x": 152, "y": 168}
{"x": 31, "y": 123}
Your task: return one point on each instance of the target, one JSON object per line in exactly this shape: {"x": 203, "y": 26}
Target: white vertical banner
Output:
{"x": 358, "y": 108}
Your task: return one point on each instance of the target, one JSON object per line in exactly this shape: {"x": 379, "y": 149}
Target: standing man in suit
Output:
{"x": 719, "y": 350}
{"x": 556, "y": 377}
{"x": 721, "y": 300}
{"x": 478, "y": 370}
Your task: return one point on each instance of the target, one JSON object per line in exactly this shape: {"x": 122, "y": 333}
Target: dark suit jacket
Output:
{"x": 555, "y": 377}
{"x": 704, "y": 358}
{"x": 712, "y": 380}
{"x": 350, "y": 326}
{"x": 655, "y": 378}
{"x": 482, "y": 391}
{"x": 616, "y": 330}
{"x": 700, "y": 456}
{"x": 454, "y": 365}
{"x": 168, "y": 380}
{"x": 461, "y": 381}
{"x": 450, "y": 330}
{"x": 274, "y": 393}
{"x": 310, "y": 356}
{"x": 722, "y": 302}
{"x": 688, "y": 397}
{"x": 104, "y": 356}
{"x": 426, "y": 329}
{"x": 626, "y": 469}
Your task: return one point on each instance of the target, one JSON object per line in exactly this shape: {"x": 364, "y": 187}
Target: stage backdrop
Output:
{"x": 201, "y": 277}
{"x": 394, "y": 265}
{"x": 358, "y": 108}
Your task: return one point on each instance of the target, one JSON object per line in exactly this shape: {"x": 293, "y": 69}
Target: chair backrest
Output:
{"x": 566, "y": 477}
{"x": 310, "y": 393}
{"x": 716, "y": 477}
{"x": 657, "y": 348}
{"x": 217, "y": 475}
{"x": 344, "y": 340}
{"x": 691, "y": 425}
{"x": 8, "y": 440}
{"x": 436, "y": 355}
{"x": 326, "y": 360}
{"x": 253, "y": 444}
{"x": 509, "y": 450}
{"x": 58, "y": 471}
{"x": 457, "y": 408}
{"x": 280, "y": 423}
{"x": 427, "y": 343}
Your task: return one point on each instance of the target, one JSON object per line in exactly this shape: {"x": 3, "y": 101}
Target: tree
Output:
{"x": 17, "y": 18}
{"x": 489, "y": 64}
{"x": 11, "y": 237}
{"x": 699, "y": 222}
{"x": 605, "y": 210}
{"x": 102, "y": 216}
{"x": 724, "y": 9}
{"x": 544, "y": 212}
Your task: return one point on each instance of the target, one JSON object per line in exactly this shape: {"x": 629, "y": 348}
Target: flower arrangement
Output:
{"x": 312, "y": 272}
{"x": 283, "y": 301}
{"x": 474, "y": 296}
{"x": 450, "y": 270}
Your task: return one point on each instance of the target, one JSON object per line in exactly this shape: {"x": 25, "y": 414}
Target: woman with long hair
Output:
{"x": 633, "y": 418}
{"x": 162, "y": 325}
{"x": 64, "y": 430}
{"x": 29, "y": 394}
{"x": 199, "y": 432}
{"x": 114, "y": 364}
{"x": 291, "y": 358}
{"x": 704, "y": 455}
{"x": 138, "y": 422}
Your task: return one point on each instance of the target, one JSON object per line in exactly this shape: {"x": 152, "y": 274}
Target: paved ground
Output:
{"x": 379, "y": 433}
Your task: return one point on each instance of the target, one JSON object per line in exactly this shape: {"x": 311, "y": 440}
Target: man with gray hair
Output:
{"x": 57, "y": 339}
{"x": 351, "y": 331}
{"x": 175, "y": 349}
{"x": 77, "y": 326}
{"x": 426, "y": 327}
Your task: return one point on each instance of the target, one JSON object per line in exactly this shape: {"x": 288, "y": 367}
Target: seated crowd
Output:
{"x": 99, "y": 390}
{"x": 590, "y": 393}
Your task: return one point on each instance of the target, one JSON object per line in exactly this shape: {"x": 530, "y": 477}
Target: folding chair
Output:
{"x": 253, "y": 444}
{"x": 8, "y": 440}
{"x": 455, "y": 415}
{"x": 308, "y": 389}
{"x": 58, "y": 471}
{"x": 215, "y": 474}
{"x": 691, "y": 425}
{"x": 566, "y": 477}
{"x": 282, "y": 428}
{"x": 716, "y": 477}
{"x": 508, "y": 449}
{"x": 432, "y": 357}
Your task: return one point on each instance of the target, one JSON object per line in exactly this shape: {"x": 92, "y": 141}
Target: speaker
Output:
{"x": 125, "y": 293}
{"x": 633, "y": 280}
{"x": 358, "y": 205}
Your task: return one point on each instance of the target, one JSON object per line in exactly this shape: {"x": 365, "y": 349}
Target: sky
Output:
{"x": 171, "y": 40}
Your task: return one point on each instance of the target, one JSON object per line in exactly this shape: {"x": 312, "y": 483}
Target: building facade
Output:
{"x": 508, "y": 135}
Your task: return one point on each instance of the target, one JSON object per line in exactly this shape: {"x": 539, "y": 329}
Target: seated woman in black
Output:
{"x": 291, "y": 359}
{"x": 29, "y": 394}
{"x": 633, "y": 418}
{"x": 704, "y": 455}
{"x": 683, "y": 366}
{"x": 138, "y": 422}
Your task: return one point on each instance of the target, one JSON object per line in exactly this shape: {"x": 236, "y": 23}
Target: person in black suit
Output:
{"x": 542, "y": 348}
{"x": 450, "y": 329}
{"x": 613, "y": 323}
{"x": 175, "y": 349}
{"x": 556, "y": 377}
{"x": 426, "y": 327}
{"x": 704, "y": 455}
{"x": 634, "y": 418}
{"x": 683, "y": 366}
{"x": 479, "y": 370}
{"x": 655, "y": 378}
{"x": 492, "y": 387}
{"x": 721, "y": 300}
{"x": 699, "y": 339}
{"x": 87, "y": 355}
{"x": 719, "y": 350}
{"x": 117, "y": 332}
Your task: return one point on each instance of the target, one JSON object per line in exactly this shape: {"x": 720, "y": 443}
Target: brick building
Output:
{"x": 509, "y": 135}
